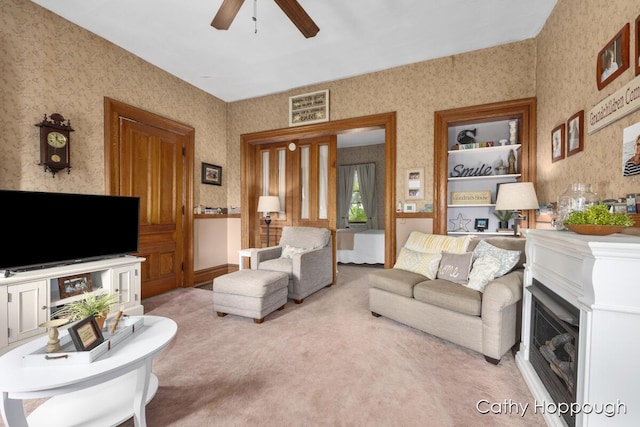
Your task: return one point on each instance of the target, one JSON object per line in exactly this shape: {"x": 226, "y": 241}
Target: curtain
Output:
{"x": 367, "y": 180}
{"x": 345, "y": 189}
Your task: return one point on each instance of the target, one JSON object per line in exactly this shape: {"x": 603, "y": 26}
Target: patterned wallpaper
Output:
{"x": 50, "y": 65}
{"x": 568, "y": 46}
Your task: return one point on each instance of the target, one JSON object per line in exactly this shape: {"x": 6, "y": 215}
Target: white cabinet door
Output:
{"x": 27, "y": 308}
{"x": 125, "y": 283}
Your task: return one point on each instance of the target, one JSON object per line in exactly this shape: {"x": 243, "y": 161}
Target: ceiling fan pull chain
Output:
{"x": 255, "y": 15}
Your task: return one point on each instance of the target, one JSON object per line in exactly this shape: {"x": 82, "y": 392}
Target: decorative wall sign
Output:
{"x": 613, "y": 59}
{"x": 575, "y": 133}
{"x": 557, "y": 143}
{"x": 622, "y": 102}
{"x": 471, "y": 197}
{"x": 211, "y": 174}
{"x": 415, "y": 184}
{"x": 460, "y": 171}
{"x": 309, "y": 108}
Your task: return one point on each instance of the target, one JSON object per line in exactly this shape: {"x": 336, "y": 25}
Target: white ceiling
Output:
{"x": 356, "y": 37}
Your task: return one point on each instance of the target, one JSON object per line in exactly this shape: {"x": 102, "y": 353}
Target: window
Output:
{"x": 356, "y": 211}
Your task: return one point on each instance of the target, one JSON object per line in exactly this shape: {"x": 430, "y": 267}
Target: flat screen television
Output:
{"x": 47, "y": 229}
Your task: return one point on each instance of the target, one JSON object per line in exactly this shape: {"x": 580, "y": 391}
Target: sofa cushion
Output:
{"x": 484, "y": 270}
{"x": 430, "y": 243}
{"x": 455, "y": 267}
{"x": 418, "y": 262}
{"x": 394, "y": 280}
{"x": 450, "y": 296}
{"x": 507, "y": 259}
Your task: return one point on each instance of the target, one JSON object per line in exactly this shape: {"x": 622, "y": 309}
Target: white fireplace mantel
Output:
{"x": 600, "y": 275}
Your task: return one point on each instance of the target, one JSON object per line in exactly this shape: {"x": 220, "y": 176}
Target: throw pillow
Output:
{"x": 508, "y": 259}
{"x": 455, "y": 267}
{"x": 422, "y": 242}
{"x": 483, "y": 271}
{"x": 289, "y": 251}
{"x": 417, "y": 262}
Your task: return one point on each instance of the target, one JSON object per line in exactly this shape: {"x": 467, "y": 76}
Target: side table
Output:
{"x": 244, "y": 253}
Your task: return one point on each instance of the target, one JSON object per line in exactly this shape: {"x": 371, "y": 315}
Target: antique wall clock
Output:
{"x": 55, "y": 139}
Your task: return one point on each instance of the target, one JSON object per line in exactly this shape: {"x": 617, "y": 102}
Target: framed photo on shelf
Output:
{"x": 85, "y": 334}
{"x": 575, "y": 133}
{"x": 613, "y": 59}
{"x": 74, "y": 285}
{"x": 415, "y": 184}
{"x": 211, "y": 174}
{"x": 557, "y": 143}
{"x": 481, "y": 224}
{"x": 409, "y": 207}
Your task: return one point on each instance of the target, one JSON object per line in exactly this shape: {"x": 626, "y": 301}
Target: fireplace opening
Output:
{"x": 555, "y": 325}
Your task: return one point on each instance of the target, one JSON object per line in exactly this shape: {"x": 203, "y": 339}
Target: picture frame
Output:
{"x": 86, "y": 334}
{"x": 211, "y": 174}
{"x": 557, "y": 143}
{"x": 481, "y": 224}
{"x": 309, "y": 108}
{"x": 637, "y": 57}
{"x": 77, "y": 284}
{"x": 410, "y": 207}
{"x": 414, "y": 184}
{"x": 613, "y": 58}
{"x": 575, "y": 133}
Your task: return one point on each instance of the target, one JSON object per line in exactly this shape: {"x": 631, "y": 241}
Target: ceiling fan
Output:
{"x": 291, "y": 8}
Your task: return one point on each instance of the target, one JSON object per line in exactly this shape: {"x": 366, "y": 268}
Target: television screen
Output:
{"x": 44, "y": 229}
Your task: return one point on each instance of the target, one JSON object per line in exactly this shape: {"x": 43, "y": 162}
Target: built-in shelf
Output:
{"x": 495, "y": 149}
{"x": 475, "y": 178}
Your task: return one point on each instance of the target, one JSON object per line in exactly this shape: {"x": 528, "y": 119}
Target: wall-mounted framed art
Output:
{"x": 575, "y": 133}
{"x": 636, "y": 58}
{"x": 557, "y": 143}
{"x": 309, "y": 108}
{"x": 414, "y": 184}
{"x": 211, "y": 174}
{"x": 613, "y": 59}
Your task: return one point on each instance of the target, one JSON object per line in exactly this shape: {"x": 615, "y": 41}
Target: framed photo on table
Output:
{"x": 557, "y": 143}
{"x": 575, "y": 133}
{"x": 415, "y": 184}
{"x": 613, "y": 59}
{"x": 86, "y": 334}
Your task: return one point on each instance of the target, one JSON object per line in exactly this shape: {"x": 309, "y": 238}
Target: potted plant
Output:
{"x": 93, "y": 304}
{"x": 503, "y": 217}
{"x": 597, "y": 220}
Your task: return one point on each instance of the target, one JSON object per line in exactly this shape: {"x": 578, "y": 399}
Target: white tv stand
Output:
{"x": 28, "y": 298}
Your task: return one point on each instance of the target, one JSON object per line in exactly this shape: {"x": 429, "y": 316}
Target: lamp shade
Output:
{"x": 516, "y": 196}
{"x": 268, "y": 204}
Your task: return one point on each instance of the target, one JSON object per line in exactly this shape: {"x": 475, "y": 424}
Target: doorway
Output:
{"x": 151, "y": 157}
{"x": 250, "y": 184}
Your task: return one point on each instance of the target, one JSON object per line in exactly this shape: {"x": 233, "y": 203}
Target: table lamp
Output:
{"x": 268, "y": 204}
{"x": 516, "y": 196}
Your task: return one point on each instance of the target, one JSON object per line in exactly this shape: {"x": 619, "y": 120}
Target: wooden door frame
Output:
{"x": 525, "y": 109}
{"x": 113, "y": 110}
{"x": 249, "y": 185}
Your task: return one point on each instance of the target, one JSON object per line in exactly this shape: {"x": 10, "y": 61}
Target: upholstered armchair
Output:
{"x": 305, "y": 254}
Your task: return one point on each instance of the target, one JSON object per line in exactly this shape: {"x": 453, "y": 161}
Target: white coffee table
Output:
{"x": 107, "y": 391}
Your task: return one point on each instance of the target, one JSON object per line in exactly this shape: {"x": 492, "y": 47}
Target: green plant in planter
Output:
{"x": 599, "y": 214}
{"x": 93, "y": 304}
{"x": 504, "y": 216}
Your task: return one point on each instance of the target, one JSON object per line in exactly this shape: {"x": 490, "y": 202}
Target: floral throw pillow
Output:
{"x": 418, "y": 262}
{"x": 455, "y": 267}
{"x": 508, "y": 259}
{"x": 483, "y": 271}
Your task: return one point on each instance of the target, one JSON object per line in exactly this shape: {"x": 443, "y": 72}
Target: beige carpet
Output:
{"x": 326, "y": 362}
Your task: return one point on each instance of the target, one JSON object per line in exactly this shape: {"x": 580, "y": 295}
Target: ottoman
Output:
{"x": 250, "y": 293}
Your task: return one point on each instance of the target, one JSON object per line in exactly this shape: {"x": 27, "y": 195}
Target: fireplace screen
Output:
{"x": 554, "y": 344}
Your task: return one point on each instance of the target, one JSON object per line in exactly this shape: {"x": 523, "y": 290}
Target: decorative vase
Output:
{"x": 577, "y": 197}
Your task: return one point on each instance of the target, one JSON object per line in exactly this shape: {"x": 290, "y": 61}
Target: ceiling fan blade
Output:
{"x": 228, "y": 10}
{"x": 299, "y": 17}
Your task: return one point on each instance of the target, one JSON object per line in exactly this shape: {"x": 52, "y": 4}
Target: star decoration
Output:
{"x": 459, "y": 223}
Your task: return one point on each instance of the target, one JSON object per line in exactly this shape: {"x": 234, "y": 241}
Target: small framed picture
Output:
{"x": 211, "y": 174}
{"x": 557, "y": 143}
{"x": 85, "y": 334}
{"x": 481, "y": 224}
{"x": 415, "y": 180}
{"x": 575, "y": 133}
{"x": 74, "y": 285}
{"x": 410, "y": 207}
{"x": 636, "y": 58}
{"x": 613, "y": 59}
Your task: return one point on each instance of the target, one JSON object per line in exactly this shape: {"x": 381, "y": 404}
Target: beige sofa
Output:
{"x": 487, "y": 322}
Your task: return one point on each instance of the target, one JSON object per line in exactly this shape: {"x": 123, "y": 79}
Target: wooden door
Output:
{"x": 151, "y": 158}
